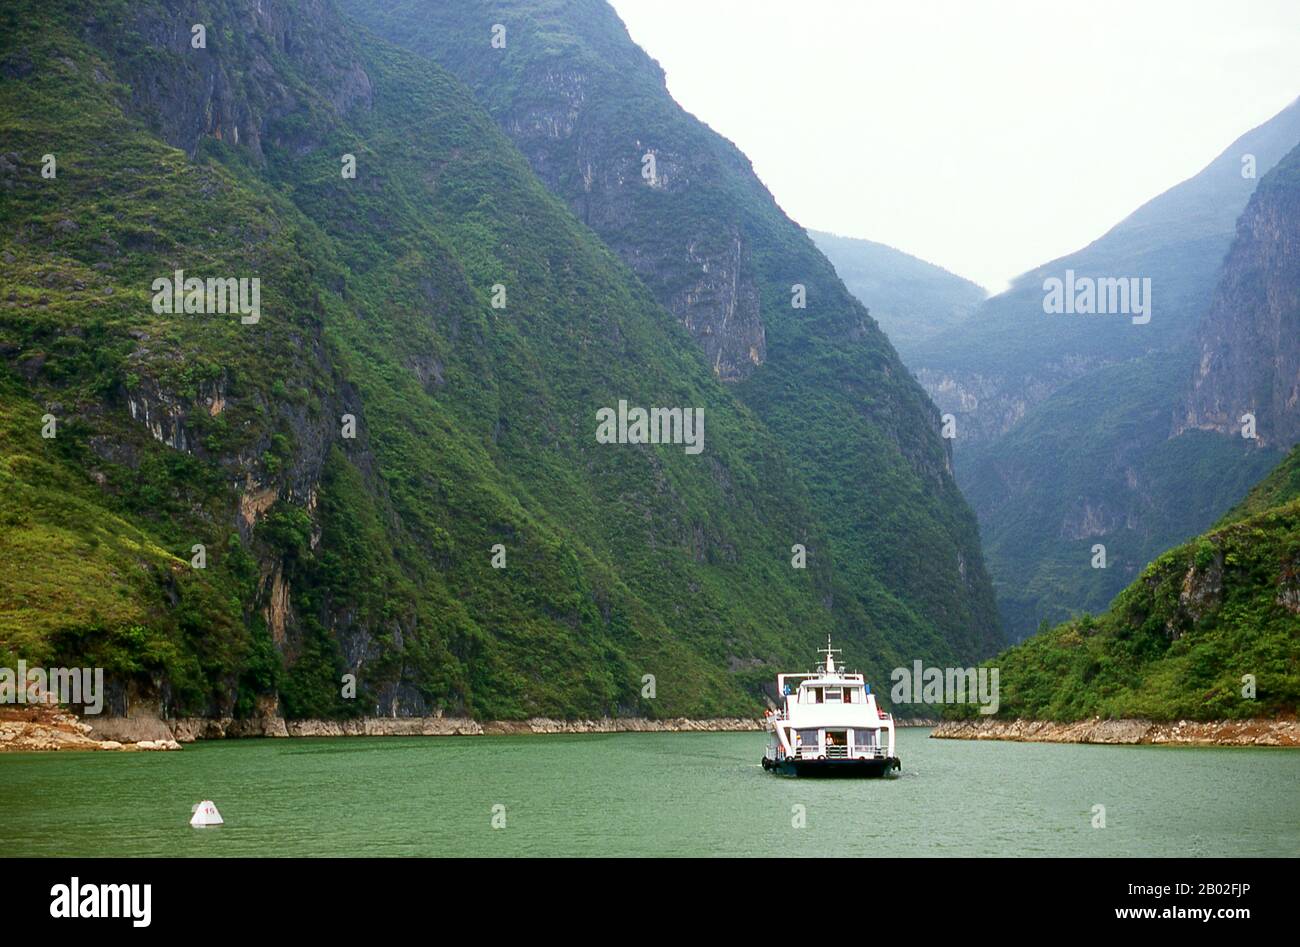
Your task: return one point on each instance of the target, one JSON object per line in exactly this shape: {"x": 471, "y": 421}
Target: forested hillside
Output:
{"x": 391, "y": 469}
{"x": 683, "y": 208}
{"x": 1210, "y": 630}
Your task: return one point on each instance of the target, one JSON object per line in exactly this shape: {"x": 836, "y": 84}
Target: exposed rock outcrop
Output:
{"x": 189, "y": 730}
{"x": 1249, "y": 341}
{"x": 1250, "y": 732}
{"x": 54, "y": 729}
{"x": 45, "y": 727}
{"x": 235, "y": 94}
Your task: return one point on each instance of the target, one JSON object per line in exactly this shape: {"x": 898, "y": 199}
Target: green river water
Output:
{"x": 646, "y": 794}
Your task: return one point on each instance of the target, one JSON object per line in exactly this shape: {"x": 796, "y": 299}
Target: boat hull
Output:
{"x": 835, "y": 769}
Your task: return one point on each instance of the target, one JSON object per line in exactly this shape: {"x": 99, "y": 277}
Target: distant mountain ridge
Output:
{"x": 913, "y": 300}
{"x": 1065, "y": 432}
{"x": 996, "y": 366}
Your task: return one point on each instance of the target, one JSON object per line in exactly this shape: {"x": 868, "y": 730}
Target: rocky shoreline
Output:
{"x": 189, "y": 729}
{"x": 1250, "y": 732}
{"x": 50, "y": 728}
{"x": 47, "y": 728}
{"x": 43, "y": 727}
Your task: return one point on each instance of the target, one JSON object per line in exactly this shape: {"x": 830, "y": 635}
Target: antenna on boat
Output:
{"x": 829, "y": 664}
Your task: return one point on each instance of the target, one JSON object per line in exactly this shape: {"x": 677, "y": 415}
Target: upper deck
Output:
{"x": 829, "y": 697}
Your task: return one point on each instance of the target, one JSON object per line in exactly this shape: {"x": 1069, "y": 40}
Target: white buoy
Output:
{"x": 205, "y": 813}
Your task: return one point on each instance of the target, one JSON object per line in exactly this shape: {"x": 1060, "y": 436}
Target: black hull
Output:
{"x": 835, "y": 769}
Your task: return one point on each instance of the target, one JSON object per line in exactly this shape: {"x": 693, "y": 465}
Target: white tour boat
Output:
{"x": 829, "y": 725}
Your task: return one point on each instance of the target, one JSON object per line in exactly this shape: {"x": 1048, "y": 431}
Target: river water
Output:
{"x": 647, "y": 794}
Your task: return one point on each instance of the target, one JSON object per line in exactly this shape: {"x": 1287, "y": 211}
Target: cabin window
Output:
{"x": 833, "y": 695}
{"x": 864, "y": 737}
{"x": 806, "y": 738}
{"x": 816, "y": 693}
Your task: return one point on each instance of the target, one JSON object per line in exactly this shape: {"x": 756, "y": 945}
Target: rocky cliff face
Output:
{"x": 706, "y": 276}
{"x": 231, "y": 88}
{"x": 702, "y": 269}
{"x": 987, "y": 405}
{"x": 1249, "y": 341}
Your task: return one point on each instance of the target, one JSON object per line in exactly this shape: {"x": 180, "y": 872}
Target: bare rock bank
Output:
{"x": 1251, "y": 732}
{"x": 43, "y": 727}
{"x": 186, "y": 730}
{"x": 145, "y": 728}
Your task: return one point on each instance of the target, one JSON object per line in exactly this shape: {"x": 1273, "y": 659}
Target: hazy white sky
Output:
{"x": 987, "y": 136}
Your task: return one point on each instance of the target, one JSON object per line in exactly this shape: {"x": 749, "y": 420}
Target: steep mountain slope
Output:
{"x": 1011, "y": 355}
{"x": 1062, "y": 442}
{"x": 683, "y": 208}
{"x": 911, "y": 299}
{"x": 1096, "y": 462}
{"x": 1279, "y": 488}
{"x": 329, "y": 554}
{"x": 1179, "y": 642}
{"x": 1094, "y": 466}
{"x": 1249, "y": 341}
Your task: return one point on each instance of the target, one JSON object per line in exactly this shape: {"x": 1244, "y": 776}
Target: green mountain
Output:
{"x": 230, "y": 511}
{"x": 1180, "y": 641}
{"x": 1279, "y": 488}
{"x": 683, "y": 209}
{"x": 911, "y": 299}
{"x": 1064, "y": 432}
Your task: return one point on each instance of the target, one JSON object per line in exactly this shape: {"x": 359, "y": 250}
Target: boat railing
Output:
{"x": 838, "y": 752}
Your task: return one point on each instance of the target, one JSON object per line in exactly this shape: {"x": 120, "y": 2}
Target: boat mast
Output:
{"x": 828, "y": 666}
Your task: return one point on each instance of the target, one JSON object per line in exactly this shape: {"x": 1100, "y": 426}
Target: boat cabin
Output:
{"x": 829, "y": 715}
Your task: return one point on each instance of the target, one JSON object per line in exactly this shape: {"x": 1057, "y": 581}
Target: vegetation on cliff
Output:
{"x": 683, "y": 208}
{"x": 373, "y": 554}
{"x": 1210, "y": 630}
